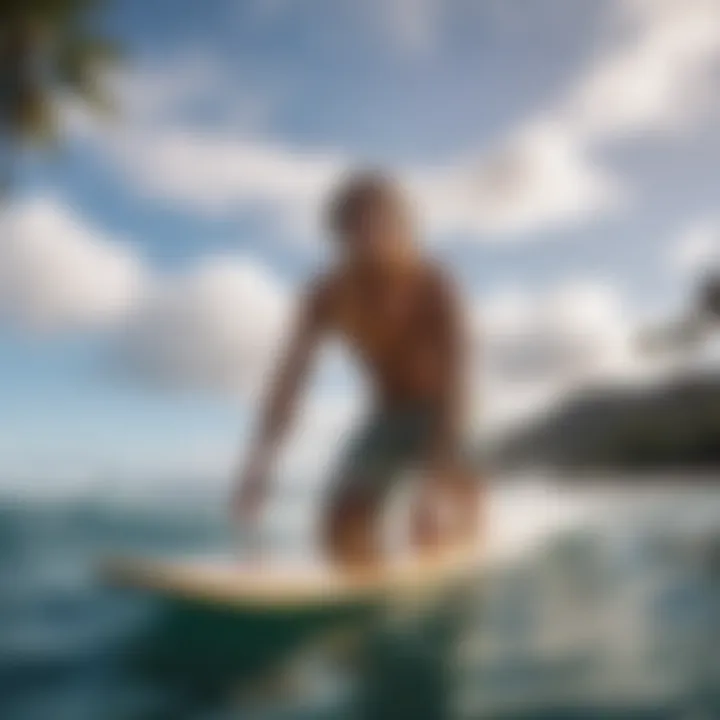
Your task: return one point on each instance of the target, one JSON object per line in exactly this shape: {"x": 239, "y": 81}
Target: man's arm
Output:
{"x": 280, "y": 403}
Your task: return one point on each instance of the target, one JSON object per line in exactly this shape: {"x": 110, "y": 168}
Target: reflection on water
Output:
{"x": 614, "y": 618}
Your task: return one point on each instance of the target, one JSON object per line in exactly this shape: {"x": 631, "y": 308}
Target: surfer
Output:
{"x": 398, "y": 313}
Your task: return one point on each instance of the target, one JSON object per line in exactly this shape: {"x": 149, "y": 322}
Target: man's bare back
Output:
{"x": 399, "y": 326}
{"x": 398, "y": 315}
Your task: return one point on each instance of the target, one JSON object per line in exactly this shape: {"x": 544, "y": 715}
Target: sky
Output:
{"x": 563, "y": 157}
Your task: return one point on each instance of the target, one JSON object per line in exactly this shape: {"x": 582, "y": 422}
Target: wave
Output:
{"x": 608, "y": 603}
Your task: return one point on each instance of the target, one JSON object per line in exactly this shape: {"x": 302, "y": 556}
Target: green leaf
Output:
{"x": 80, "y": 66}
{"x": 33, "y": 118}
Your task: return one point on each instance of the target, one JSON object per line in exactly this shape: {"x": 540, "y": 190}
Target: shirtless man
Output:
{"x": 397, "y": 313}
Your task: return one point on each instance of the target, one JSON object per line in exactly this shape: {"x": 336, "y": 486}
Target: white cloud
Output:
{"x": 59, "y": 272}
{"x": 659, "y": 75}
{"x": 572, "y": 330}
{"x": 696, "y": 250}
{"x": 655, "y": 75}
{"x": 539, "y": 178}
{"x": 221, "y": 174}
{"x": 213, "y": 328}
{"x": 534, "y": 348}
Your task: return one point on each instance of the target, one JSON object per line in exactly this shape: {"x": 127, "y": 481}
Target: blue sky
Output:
{"x": 563, "y": 155}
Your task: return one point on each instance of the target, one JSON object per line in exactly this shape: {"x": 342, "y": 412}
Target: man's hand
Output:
{"x": 251, "y": 491}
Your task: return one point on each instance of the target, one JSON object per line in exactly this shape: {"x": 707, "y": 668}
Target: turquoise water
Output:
{"x": 621, "y": 620}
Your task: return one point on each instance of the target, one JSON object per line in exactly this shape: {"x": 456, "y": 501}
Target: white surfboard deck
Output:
{"x": 265, "y": 584}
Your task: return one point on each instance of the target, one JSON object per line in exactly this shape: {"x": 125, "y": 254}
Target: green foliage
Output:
{"x": 675, "y": 426}
{"x": 49, "y": 50}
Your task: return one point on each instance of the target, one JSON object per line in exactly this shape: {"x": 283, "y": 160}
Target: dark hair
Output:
{"x": 358, "y": 193}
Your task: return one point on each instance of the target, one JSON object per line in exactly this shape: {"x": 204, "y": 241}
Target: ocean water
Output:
{"x": 612, "y": 612}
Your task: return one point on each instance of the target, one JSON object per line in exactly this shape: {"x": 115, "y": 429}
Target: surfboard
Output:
{"x": 266, "y": 584}
{"x": 226, "y": 620}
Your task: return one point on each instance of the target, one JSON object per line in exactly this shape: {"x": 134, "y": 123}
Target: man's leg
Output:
{"x": 351, "y": 525}
{"x": 351, "y": 532}
{"x": 449, "y": 514}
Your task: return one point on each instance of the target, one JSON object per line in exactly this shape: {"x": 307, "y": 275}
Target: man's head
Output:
{"x": 370, "y": 218}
